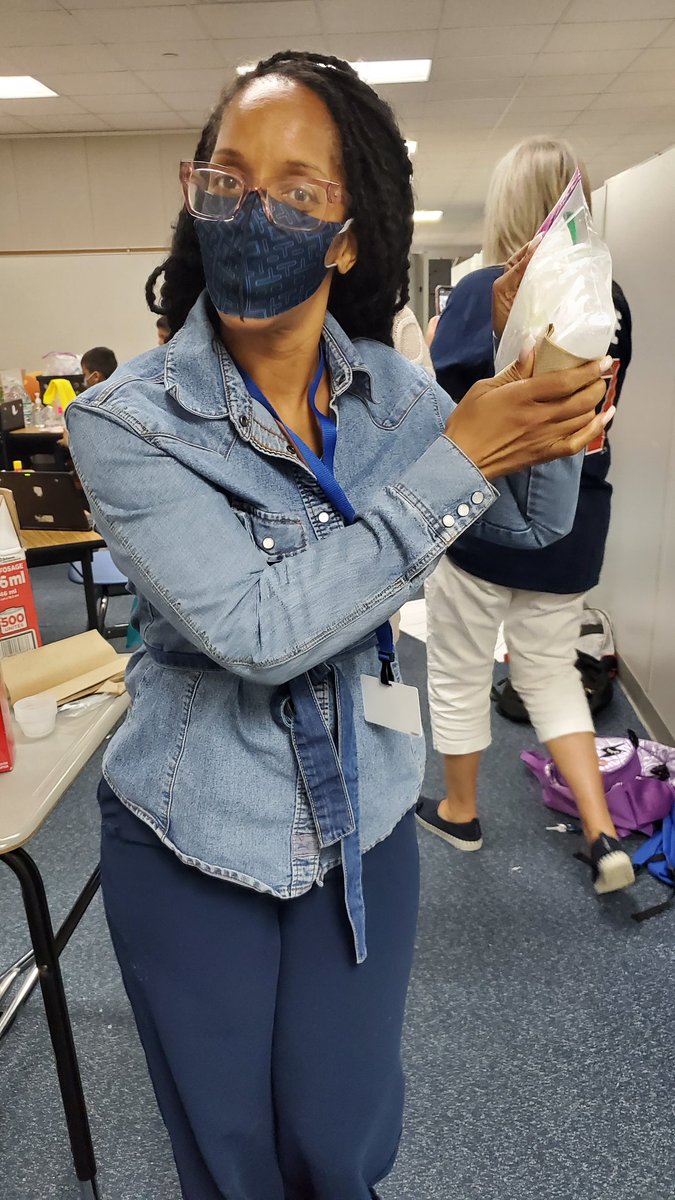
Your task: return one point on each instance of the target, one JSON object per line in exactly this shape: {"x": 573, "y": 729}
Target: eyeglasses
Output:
{"x": 294, "y": 202}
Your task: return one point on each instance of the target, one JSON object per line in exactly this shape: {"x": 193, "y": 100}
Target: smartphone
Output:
{"x": 442, "y": 293}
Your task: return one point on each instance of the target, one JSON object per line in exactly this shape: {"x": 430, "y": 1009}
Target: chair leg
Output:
{"x": 58, "y": 1018}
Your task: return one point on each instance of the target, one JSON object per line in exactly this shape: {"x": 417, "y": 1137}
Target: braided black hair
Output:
{"x": 378, "y": 177}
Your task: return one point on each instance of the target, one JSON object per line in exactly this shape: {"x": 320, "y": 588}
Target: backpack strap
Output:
{"x": 656, "y": 909}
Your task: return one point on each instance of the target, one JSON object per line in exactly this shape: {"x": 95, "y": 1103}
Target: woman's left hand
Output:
{"x": 505, "y": 288}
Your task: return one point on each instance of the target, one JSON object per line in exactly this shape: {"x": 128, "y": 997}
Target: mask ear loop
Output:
{"x": 345, "y": 228}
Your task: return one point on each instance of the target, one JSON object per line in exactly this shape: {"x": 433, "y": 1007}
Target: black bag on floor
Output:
{"x": 596, "y": 663}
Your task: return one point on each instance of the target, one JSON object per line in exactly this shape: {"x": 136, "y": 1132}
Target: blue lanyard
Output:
{"x": 324, "y": 470}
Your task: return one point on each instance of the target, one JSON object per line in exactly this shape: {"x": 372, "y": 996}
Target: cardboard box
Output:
{"x": 6, "y": 734}
{"x": 19, "y": 629}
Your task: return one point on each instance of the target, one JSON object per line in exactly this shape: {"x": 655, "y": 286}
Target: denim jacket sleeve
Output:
{"x": 536, "y": 506}
{"x": 268, "y": 621}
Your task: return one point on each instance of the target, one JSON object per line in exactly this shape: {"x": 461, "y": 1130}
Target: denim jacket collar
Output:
{"x": 189, "y": 371}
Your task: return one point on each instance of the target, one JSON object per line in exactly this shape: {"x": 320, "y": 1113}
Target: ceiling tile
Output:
{"x": 123, "y": 103}
{"x": 195, "y": 117}
{"x": 282, "y": 17}
{"x": 30, "y": 6}
{"x": 193, "y": 102}
{"x": 76, "y": 5}
{"x": 78, "y": 123}
{"x": 140, "y": 24}
{"x": 566, "y": 85}
{"x": 104, "y": 83}
{"x": 602, "y": 62}
{"x": 49, "y": 104}
{"x": 667, "y": 38}
{"x": 376, "y": 15}
{"x": 39, "y": 29}
{"x": 604, "y": 35}
{"x": 497, "y": 88}
{"x": 143, "y": 120}
{"x": 185, "y": 81}
{"x": 616, "y": 10}
{"x": 662, "y": 59}
{"x": 37, "y": 59}
{"x": 500, "y": 40}
{"x": 633, "y": 100}
{"x": 512, "y": 65}
{"x": 459, "y": 14}
{"x": 252, "y": 49}
{"x": 410, "y": 44}
{"x": 168, "y": 56}
{"x": 12, "y": 124}
{"x": 535, "y": 103}
{"x": 642, "y": 81}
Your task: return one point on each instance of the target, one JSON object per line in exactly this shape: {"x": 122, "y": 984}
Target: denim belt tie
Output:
{"x": 331, "y": 781}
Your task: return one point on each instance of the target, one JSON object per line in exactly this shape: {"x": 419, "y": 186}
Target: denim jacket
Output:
{"x": 246, "y": 748}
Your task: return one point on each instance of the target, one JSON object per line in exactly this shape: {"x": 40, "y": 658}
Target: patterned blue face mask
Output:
{"x": 255, "y": 269}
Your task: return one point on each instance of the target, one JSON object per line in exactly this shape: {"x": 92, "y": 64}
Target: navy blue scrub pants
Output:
{"x": 274, "y": 1057}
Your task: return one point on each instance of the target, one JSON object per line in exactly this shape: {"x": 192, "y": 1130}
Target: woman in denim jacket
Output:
{"x": 258, "y": 856}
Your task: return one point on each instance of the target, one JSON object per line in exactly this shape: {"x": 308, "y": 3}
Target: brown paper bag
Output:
{"x": 71, "y": 668}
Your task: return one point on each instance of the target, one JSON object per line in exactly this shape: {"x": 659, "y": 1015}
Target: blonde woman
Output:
{"x": 538, "y": 594}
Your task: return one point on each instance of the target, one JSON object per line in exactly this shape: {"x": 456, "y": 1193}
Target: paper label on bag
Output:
{"x": 394, "y": 706}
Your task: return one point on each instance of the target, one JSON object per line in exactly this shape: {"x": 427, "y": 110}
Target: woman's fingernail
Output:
{"x": 606, "y": 363}
{"x": 527, "y": 348}
{"x": 536, "y": 240}
{"x": 608, "y": 416}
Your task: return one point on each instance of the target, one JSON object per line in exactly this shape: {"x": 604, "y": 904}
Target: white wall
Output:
{"x": 638, "y": 583}
{"x": 73, "y": 302}
{"x": 72, "y": 195}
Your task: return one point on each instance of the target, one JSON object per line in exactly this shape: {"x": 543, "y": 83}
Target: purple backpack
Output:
{"x": 639, "y": 779}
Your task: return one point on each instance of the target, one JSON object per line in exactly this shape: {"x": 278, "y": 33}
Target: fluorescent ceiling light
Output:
{"x": 22, "y": 87}
{"x": 426, "y": 216}
{"x": 404, "y": 70}
{"x": 411, "y": 146}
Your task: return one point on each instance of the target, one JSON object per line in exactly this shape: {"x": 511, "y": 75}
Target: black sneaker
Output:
{"x": 612, "y": 868}
{"x": 464, "y": 836}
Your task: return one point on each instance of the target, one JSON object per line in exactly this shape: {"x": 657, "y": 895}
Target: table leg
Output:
{"x": 89, "y": 589}
{"x": 58, "y": 1017}
{"x": 26, "y": 964}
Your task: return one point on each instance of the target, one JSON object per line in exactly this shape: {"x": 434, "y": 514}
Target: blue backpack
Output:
{"x": 657, "y": 855}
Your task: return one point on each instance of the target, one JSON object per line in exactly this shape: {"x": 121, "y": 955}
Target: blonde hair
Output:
{"x": 523, "y": 189}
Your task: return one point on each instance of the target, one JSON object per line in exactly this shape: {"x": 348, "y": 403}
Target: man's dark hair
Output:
{"x": 378, "y": 178}
{"x": 163, "y": 325}
{"x": 99, "y": 359}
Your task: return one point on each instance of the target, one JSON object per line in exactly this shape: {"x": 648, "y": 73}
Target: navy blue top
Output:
{"x": 462, "y": 354}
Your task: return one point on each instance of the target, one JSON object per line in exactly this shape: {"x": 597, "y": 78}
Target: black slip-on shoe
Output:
{"x": 611, "y": 866}
{"x": 465, "y": 836}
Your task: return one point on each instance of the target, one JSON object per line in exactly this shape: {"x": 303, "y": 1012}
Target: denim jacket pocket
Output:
{"x": 277, "y": 535}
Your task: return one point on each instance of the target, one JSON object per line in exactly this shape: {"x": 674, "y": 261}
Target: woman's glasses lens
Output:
{"x": 294, "y": 203}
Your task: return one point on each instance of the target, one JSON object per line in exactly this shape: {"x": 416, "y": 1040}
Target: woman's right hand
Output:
{"x": 515, "y": 421}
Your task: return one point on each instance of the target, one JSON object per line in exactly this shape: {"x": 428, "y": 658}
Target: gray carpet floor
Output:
{"x": 540, "y": 1023}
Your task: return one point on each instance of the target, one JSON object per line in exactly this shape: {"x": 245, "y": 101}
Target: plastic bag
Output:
{"x": 566, "y": 292}
{"x": 60, "y": 362}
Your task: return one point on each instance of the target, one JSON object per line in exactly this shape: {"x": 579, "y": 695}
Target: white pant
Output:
{"x": 541, "y": 629}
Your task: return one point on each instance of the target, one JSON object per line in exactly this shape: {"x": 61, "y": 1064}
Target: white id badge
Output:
{"x": 395, "y": 705}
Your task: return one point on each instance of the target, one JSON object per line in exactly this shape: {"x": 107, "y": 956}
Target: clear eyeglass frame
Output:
{"x": 298, "y": 215}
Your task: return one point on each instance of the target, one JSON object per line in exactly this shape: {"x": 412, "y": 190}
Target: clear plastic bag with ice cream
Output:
{"x": 565, "y": 297}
